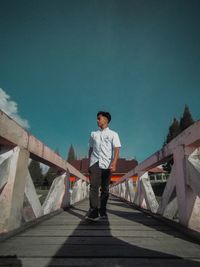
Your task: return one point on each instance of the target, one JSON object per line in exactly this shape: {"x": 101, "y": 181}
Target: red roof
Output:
{"x": 156, "y": 170}
{"x": 123, "y": 165}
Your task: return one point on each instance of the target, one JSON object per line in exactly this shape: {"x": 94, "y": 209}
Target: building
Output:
{"x": 123, "y": 166}
{"x": 158, "y": 179}
{"x": 158, "y": 175}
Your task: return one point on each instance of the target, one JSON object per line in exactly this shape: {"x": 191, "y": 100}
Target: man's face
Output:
{"x": 102, "y": 121}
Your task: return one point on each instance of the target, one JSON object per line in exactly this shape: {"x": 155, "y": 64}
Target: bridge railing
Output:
{"x": 19, "y": 201}
{"x": 180, "y": 200}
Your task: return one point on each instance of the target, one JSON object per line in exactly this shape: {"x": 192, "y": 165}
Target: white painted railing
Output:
{"x": 181, "y": 196}
{"x": 19, "y": 201}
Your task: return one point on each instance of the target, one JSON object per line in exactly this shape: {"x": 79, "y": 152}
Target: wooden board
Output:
{"x": 127, "y": 238}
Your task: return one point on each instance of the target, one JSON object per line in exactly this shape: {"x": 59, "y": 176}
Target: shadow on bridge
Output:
{"x": 124, "y": 214}
{"x": 10, "y": 261}
{"x": 93, "y": 244}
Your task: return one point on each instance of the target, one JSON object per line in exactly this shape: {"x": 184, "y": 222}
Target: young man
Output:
{"x": 103, "y": 155}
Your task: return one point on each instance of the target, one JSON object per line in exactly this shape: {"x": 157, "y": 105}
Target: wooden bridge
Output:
{"x": 140, "y": 230}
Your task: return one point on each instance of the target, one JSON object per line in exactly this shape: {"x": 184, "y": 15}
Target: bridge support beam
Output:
{"x": 59, "y": 194}
{"x": 168, "y": 206}
{"x": 79, "y": 192}
{"x": 185, "y": 195}
{"x": 145, "y": 196}
{"x": 32, "y": 205}
{"x": 12, "y": 194}
{"x": 130, "y": 190}
{"x": 192, "y": 181}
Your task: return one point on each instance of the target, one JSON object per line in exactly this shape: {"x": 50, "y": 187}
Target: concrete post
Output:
{"x": 12, "y": 195}
{"x": 185, "y": 196}
{"x": 32, "y": 206}
{"x": 193, "y": 181}
{"x": 169, "y": 188}
{"x": 58, "y": 194}
{"x": 148, "y": 192}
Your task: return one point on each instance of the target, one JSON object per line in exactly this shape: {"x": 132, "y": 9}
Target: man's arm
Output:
{"x": 113, "y": 165}
{"x": 89, "y": 155}
{"x": 90, "y": 152}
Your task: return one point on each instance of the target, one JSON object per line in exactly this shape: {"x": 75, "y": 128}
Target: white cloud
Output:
{"x": 11, "y": 109}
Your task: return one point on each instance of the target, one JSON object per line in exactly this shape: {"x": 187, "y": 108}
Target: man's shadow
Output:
{"x": 10, "y": 261}
{"x": 92, "y": 244}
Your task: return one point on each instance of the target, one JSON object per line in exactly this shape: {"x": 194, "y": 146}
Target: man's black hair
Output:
{"x": 105, "y": 114}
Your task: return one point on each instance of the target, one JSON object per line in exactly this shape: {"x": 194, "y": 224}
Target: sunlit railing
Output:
{"x": 19, "y": 201}
{"x": 180, "y": 200}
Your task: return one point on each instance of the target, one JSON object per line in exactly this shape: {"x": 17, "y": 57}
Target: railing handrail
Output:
{"x": 189, "y": 137}
{"x": 16, "y": 135}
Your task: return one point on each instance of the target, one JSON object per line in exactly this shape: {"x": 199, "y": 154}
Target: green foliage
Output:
{"x": 175, "y": 129}
{"x": 186, "y": 119}
{"x": 50, "y": 176}
{"x": 45, "y": 182}
{"x": 36, "y": 173}
{"x": 39, "y": 179}
{"x": 168, "y": 165}
{"x": 71, "y": 154}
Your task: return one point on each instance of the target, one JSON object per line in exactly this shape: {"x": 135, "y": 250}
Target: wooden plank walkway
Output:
{"x": 127, "y": 238}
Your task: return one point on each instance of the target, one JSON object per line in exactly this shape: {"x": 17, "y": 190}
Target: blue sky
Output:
{"x": 62, "y": 61}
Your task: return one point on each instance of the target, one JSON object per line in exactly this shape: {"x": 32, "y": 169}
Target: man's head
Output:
{"x": 103, "y": 119}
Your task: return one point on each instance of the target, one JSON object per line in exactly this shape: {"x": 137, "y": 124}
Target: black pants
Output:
{"x": 99, "y": 178}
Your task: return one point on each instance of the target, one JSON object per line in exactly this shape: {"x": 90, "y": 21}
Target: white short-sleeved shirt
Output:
{"x": 103, "y": 142}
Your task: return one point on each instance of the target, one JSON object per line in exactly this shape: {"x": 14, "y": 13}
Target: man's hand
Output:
{"x": 113, "y": 166}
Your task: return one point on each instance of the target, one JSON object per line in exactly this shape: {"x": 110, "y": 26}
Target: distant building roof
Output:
{"x": 123, "y": 165}
{"x": 156, "y": 170}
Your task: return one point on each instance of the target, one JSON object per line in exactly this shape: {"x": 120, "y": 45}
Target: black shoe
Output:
{"x": 103, "y": 214}
{"x": 92, "y": 215}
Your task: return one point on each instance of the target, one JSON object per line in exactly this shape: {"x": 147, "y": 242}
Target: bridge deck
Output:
{"x": 127, "y": 238}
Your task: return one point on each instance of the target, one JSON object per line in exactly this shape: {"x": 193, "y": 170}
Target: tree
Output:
{"x": 45, "y": 182}
{"x": 174, "y": 130}
{"x": 51, "y": 174}
{"x": 177, "y": 128}
{"x": 71, "y": 154}
{"x": 36, "y": 173}
{"x": 186, "y": 119}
